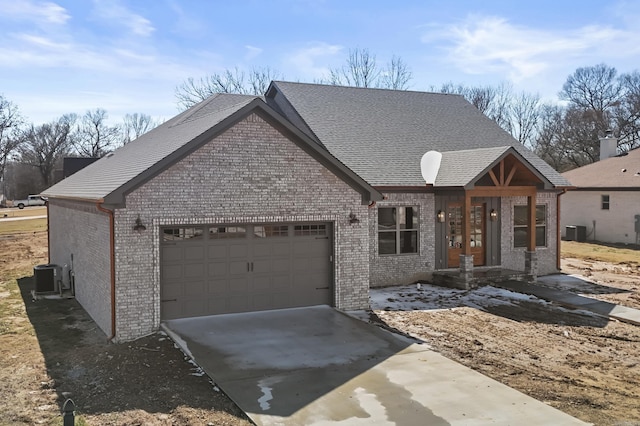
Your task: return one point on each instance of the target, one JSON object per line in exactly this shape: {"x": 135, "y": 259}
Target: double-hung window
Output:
{"x": 605, "y": 202}
{"x": 520, "y": 226}
{"x": 397, "y": 230}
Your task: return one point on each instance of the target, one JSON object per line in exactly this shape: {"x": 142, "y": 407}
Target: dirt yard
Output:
{"x": 580, "y": 363}
{"x": 51, "y": 350}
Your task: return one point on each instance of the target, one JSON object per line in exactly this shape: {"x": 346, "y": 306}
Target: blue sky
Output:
{"x": 128, "y": 56}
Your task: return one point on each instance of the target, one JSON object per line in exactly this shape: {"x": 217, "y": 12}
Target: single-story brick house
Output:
{"x": 605, "y": 200}
{"x": 308, "y": 195}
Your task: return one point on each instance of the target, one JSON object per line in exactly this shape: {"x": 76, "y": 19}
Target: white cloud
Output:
{"x": 252, "y": 52}
{"x": 116, "y": 14}
{"x": 493, "y": 45}
{"x": 43, "y": 12}
{"x": 313, "y": 61}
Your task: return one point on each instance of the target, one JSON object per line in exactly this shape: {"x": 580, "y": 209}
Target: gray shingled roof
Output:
{"x": 622, "y": 172}
{"x": 382, "y": 134}
{"x": 100, "y": 179}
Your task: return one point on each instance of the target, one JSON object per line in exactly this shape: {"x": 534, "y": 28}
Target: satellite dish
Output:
{"x": 429, "y": 165}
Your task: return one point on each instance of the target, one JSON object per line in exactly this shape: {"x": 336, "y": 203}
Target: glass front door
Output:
{"x": 455, "y": 237}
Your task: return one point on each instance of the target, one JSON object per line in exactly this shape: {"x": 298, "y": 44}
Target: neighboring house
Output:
{"x": 308, "y": 195}
{"x": 606, "y": 198}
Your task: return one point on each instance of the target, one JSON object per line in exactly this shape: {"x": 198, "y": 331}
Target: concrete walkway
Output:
{"x": 13, "y": 219}
{"x": 572, "y": 300}
{"x": 319, "y": 366}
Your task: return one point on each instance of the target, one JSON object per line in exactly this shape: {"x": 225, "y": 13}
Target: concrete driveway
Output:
{"x": 318, "y": 366}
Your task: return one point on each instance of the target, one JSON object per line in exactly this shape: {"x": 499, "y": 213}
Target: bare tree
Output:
{"x": 524, "y": 117}
{"x": 42, "y": 146}
{"x": 135, "y": 125}
{"x": 10, "y": 119}
{"x": 193, "y": 91}
{"x": 360, "y": 70}
{"x": 396, "y": 75}
{"x": 93, "y": 137}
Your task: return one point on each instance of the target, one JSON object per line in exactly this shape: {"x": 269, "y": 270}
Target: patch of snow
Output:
{"x": 266, "y": 388}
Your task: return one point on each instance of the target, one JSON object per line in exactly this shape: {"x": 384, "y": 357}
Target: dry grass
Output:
{"x": 22, "y": 226}
{"x": 599, "y": 252}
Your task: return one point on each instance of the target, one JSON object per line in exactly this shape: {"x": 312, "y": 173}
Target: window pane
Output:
{"x": 227, "y": 232}
{"x": 605, "y": 202}
{"x": 409, "y": 242}
{"x": 541, "y": 215}
{"x": 520, "y": 215}
{"x": 520, "y": 237}
{"x": 408, "y": 218}
{"x": 387, "y": 242}
{"x": 541, "y": 236}
{"x": 386, "y": 218}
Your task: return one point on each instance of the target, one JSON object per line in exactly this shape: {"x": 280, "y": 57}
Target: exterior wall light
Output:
{"x": 440, "y": 216}
{"x": 353, "y": 219}
{"x": 493, "y": 215}
{"x": 139, "y": 226}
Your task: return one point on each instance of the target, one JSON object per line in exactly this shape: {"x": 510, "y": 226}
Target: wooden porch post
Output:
{"x": 466, "y": 227}
{"x": 530, "y": 256}
{"x": 531, "y": 223}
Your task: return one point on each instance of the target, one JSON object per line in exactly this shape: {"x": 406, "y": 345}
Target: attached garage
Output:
{"x": 226, "y": 208}
{"x": 220, "y": 269}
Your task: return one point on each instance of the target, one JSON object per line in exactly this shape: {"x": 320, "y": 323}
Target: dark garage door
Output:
{"x": 219, "y": 269}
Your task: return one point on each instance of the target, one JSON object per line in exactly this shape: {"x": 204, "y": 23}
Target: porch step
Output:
{"x": 481, "y": 276}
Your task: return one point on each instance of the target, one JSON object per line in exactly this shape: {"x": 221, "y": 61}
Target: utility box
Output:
{"x": 46, "y": 277}
{"x": 576, "y": 233}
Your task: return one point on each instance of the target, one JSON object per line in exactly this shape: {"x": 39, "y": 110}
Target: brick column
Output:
{"x": 531, "y": 265}
{"x": 466, "y": 269}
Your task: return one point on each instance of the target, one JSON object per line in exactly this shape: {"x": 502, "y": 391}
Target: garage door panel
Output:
{"x": 238, "y": 303}
{"x": 217, "y": 252}
{"x": 238, "y": 285}
{"x": 238, "y": 250}
{"x": 171, "y": 253}
{"x": 171, "y": 291}
{"x": 194, "y": 253}
{"x": 171, "y": 272}
{"x": 198, "y": 288}
{"x": 281, "y": 265}
{"x": 194, "y": 270}
{"x": 218, "y": 269}
{"x": 238, "y": 267}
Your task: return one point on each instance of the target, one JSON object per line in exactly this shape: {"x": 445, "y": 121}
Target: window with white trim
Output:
{"x": 605, "y": 202}
{"x": 397, "y": 230}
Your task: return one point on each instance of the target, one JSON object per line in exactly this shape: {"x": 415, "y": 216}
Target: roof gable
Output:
{"x": 113, "y": 176}
{"x": 382, "y": 134}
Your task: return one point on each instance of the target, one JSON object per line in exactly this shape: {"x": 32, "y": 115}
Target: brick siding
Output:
{"x": 79, "y": 229}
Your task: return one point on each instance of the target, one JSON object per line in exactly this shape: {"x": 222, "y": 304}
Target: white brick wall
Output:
{"x": 616, "y": 225}
{"x": 513, "y": 258}
{"x": 80, "y": 229}
{"x": 250, "y": 173}
{"x": 389, "y": 270}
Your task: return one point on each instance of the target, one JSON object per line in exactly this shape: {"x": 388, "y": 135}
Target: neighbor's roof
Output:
{"x": 382, "y": 134}
{"x": 622, "y": 171}
{"x": 109, "y": 179}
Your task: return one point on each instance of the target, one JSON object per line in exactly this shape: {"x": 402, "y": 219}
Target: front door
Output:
{"x": 455, "y": 237}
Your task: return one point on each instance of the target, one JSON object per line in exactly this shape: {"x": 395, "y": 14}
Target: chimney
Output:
{"x": 608, "y": 146}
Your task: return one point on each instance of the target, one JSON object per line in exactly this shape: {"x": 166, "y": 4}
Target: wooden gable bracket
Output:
{"x": 502, "y": 181}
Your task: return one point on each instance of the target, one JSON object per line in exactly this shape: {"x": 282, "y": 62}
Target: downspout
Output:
{"x": 559, "y": 231}
{"x": 48, "y": 237}
{"x": 112, "y": 256}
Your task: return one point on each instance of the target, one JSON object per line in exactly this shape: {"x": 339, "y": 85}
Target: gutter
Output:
{"x": 48, "y": 237}
{"x": 112, "y": 264}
